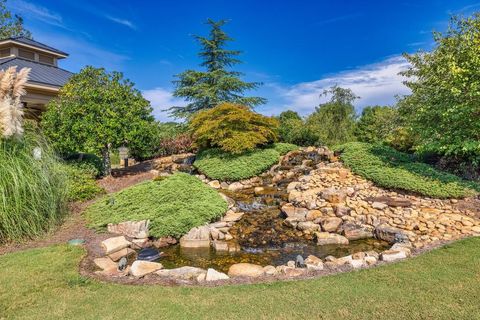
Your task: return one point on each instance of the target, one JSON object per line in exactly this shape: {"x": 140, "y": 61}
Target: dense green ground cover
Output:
{"x": 217, "y": 164}
{"x": 174, "y": 205}
{"x": 32, "y": 188}
{"x": 389, "y": 168}
{"x": 442, "y": 284}
{"x": 81, "y": 183}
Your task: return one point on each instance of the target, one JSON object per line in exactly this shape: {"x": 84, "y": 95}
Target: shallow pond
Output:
{"x": 175, "y": 256}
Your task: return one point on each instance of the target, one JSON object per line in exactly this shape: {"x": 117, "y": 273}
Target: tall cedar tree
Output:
{"x": 207, "y": 89}
{"x": 97, "y": 111}
{"x": 11, "y": 25}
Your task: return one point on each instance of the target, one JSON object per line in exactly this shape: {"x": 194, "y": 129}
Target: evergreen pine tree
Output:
{"x": 207, "y": 89}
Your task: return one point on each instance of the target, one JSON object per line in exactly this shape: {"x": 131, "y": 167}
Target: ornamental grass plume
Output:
{"x": 12, "y": 88}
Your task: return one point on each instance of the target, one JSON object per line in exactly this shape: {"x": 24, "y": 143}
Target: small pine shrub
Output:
{"x": 221, "y": 165}
{"x": 174, "y": 205}
{"x": 389, "y": 168}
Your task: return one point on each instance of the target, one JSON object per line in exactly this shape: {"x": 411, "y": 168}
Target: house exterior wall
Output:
{"x": 35, "y": 101}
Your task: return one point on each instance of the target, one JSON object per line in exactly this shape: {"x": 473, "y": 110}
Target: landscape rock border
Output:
{"x": 85, "y": 270}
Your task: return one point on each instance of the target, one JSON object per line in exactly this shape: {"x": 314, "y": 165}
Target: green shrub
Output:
{"x": 173, "y": 205}
{"x": 86, "y": 162}
{"x": 333, "y": 122}
{"x": 81, "y": 183}
{"x": 284, "y": 148}
{"x": 389, "y": 168}
{"x": 377, "y": 124}
{"x": 217, "y": 164}
{"x": 32, "y": 189}
{"x": 233, "y": 128}
{"x": 293, "y": 129}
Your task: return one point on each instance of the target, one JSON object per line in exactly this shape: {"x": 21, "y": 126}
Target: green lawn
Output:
{"x": 217, "y": 164}
{"x": 442, "y": 284}
{"x": 389, "y": 168}
{"x": 174, "y": 205}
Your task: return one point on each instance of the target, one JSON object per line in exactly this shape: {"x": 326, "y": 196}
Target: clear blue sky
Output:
{"x": 297, "y": 48}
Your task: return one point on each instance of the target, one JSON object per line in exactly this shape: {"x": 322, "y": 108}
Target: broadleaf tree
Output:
{"x": 444, "y": 107}
{"x": 377, "y": 124}
{"x": 333, "y": 122}
{"x": 95, "y": 112}
{"x": 11, "y": 25}
{"x": 217, "y": 83}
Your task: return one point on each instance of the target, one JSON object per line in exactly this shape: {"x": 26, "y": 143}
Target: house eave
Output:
{"x": 42, "y": 86}
{"x": 21, "y": 44}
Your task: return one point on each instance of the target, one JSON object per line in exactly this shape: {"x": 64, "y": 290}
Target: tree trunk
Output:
{"x": 107, "y": 166}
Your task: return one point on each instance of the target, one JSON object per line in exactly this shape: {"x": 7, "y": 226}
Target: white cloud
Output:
{"x": 121, "y": 21}
{"x": 37, "y": 12}
{"x": 376, "y": 83}
{"x": 161, "y": 99}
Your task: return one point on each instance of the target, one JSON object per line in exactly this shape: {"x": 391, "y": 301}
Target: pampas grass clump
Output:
{"x": 12, "y": 88}
{"x": 33, "y": 188}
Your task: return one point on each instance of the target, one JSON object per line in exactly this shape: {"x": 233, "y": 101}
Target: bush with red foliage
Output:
{"x": 181, "y": 143}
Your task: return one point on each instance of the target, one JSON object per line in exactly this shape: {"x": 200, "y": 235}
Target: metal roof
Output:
{"x": 33, "y": 43}
{"x": 40, "y": 72}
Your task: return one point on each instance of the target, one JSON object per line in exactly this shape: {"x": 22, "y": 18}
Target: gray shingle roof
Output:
{"x": 40, "y": 73}
{"x": 34, "y": 43}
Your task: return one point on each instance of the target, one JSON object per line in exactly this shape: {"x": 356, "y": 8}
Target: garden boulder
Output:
{"x": 245, "y": 270}
{"x": 214, "y": 275}
{"x": 115, "y": 244}
{"x": 182, "y": 273}
{"x": 325, "y": 238}
{"x": 141, "y": 268}
{"x": 198, "y": 237}
{"x": 132, "y": 229}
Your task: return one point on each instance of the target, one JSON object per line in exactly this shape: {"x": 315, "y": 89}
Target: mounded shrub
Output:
{"x": 232, "y": 128}
{"x": 174, "y": 205}
{"x": 221, "y": 165}
{"x": 389, "y": 168}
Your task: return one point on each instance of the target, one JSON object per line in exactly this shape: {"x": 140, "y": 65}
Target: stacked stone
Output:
{"x": 176, "y": 162}
{"x": 332, "y": 199}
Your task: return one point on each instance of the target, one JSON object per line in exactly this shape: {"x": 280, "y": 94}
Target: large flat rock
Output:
{"x": 245, "y": 270}
{"x": 326, "y": 238}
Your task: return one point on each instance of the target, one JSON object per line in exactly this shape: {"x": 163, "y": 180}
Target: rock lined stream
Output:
{"x": 261, "y": 234}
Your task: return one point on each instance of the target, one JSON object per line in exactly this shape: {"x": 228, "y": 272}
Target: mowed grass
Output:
{"x": 442, "y": 284}
{"x": 217, "y": 164}
{"x": 173, "y": 205}
{"x": 389, "y": 168}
